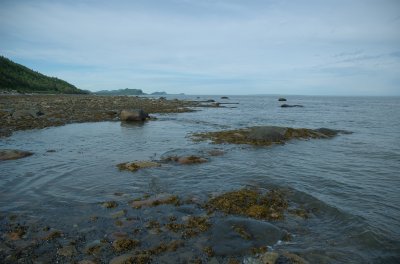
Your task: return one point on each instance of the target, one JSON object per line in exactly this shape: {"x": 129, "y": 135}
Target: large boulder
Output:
{"x": 11, "y": 154}
{"x": 133, "y": 115}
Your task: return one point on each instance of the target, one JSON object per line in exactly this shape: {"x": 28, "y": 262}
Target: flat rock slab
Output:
{"x": 235, "y": 235}
{"x": 265, "y": 135}
{"x": 12, "y": 154}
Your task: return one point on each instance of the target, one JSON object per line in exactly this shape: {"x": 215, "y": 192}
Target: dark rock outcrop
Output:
{"x": 265, "y": 135}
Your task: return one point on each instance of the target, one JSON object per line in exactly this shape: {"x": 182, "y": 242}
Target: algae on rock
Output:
{"x": 264, "y": 135}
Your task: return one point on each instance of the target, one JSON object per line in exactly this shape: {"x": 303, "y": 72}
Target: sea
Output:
{"x": 350, "y": 183}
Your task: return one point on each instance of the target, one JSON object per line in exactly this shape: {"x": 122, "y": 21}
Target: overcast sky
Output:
{"x": 210, "y": 47}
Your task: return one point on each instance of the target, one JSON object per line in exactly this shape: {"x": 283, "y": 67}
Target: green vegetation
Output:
{"x": 17, "y": 77}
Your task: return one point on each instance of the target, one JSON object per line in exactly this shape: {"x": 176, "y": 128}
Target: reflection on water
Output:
{"x": 350, "y": 182}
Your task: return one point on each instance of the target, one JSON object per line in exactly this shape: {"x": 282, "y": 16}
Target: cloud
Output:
{"x": 200, "y": 46}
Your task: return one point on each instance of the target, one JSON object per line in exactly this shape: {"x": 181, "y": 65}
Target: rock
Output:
{"x": 269, "y": 257}
{"x": 282, "y": 99}
{"x": 224, "y": 97}
{"x": 156, "y": 200}
{"x": 291, "y": 258}
{"x": 265, "y": 135}
{"x": 287, "y": 105}
{"x": 67, "y": 251}
{"x": 124, "y": 244}
{"x": 11, "y": 154}
{"x": 119, "y": 214}
{"x": 85, "y": 261}
{"x": 216, "y": 152}
{"x": 123, "y": 259}
{"x": 109, "y": 204}
{"x": 33, "y": 113}
{"x": 136, "y": 165}
{"x": 191, "y": 160}
{"x": 134, "y": 115}
{"x": 228, "y": 242}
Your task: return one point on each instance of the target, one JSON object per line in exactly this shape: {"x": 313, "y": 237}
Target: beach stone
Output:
{"x": 133, "y": 115}
{"x": 11, "y": 154}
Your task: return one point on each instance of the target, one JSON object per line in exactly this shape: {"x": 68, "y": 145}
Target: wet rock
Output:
{"x": 290, "y": 258}
{"x": 11, "y": 154}
{"x": 265, "y": 135}
{"x": 67, "y": 251}
{"x": 125, "y": 244}
{"x": 86, "y": 262}
{"x": 123, "y": 259}
{"x": 224, "y": 97}
{"x": 227, "y": 242}
{"x": 252, "y": 203}
{"x": 110, "y": 204}
{"x": 137, "y": 165}
{"x": 191, "y": 160}
{"x": 118, "y": 214}
{"x": 133, "y": 115}
{"x": 287, "y": 105}
{"x": 93, "y": 248}
{"x": 216, "y": 152}
{"x": 32, "y": 113}
{"x": 282, "y": 99}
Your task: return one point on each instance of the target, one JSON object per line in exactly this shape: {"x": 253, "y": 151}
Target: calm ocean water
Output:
{"x": 353, "y": 180}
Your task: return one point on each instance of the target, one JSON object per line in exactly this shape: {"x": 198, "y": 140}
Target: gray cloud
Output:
{"x": 202, "y": 46}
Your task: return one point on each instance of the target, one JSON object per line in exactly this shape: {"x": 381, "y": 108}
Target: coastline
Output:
{"x": 23, "y": 112}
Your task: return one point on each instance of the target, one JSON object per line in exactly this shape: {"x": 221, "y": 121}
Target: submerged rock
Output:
{"x": 226, "y": 239}
{"x": 156, "y": 200}
{"x": 191, "y": 159}
{"x": 133, "y": 115}
{"x": 265, "y": 135}
{"x": 137, "y": 165}
{"x": 11, "y": 154}
{"x": 287, "y": 105}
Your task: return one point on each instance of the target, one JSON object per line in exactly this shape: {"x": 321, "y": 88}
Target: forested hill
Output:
{"x": 14, "y": 76}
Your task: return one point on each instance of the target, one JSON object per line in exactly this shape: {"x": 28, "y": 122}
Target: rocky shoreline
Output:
{"x": 23, "y": 112}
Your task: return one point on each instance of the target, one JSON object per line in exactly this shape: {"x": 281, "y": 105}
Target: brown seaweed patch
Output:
{"x": 137, "y": 165}
{"x": 252, "y": 203}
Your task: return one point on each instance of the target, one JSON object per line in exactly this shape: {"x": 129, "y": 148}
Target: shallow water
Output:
{"x": 351, "y": 182}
